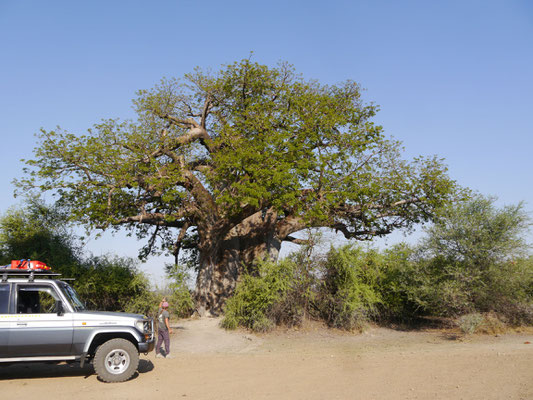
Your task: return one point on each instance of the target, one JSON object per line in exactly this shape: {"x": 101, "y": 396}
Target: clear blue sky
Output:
{"x": 453, "y": 78}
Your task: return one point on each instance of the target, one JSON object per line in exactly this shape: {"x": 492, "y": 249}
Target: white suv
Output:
{"x": 42, "y": 319}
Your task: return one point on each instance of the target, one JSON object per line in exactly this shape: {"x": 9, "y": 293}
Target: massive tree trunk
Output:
{"x": 222, "y": 262}
{"x": 217, "y": 277}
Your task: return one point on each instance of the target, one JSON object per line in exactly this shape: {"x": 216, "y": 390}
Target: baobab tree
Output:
{"x": 233, "y": 164}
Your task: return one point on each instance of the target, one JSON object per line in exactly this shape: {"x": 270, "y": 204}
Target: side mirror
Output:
{"x": 59, "y": 308}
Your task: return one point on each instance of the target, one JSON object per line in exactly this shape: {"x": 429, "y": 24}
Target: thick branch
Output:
{"x": 205, "y": 112}
{"x": 157, "y": 219}
{"x": 295, "y": 223}
{"x": 196, "y": 132}
{"x": 203, "y": 198}
{"x": 294, "y": 240}
{"x": 361, "y": 234}
{"x": 177, "y": 245}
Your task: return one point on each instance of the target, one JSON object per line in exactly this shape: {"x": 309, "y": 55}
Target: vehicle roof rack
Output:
{"x": 25, "y": 272}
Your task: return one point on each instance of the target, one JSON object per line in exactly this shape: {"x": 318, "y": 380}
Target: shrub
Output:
{"x": 111, "y": 283}
{"x": 263, "y": 298}
{"x": 180, "y": 296}
{"x": 492, "y": 325}
{"x": 144, "y": 301}
{"x": 348, "y": 295}
{"x": 474, "y": 260}
{"x": 401, "y": 286}
{"x": 470, "y": 323}
{"x": 488, "y": 323}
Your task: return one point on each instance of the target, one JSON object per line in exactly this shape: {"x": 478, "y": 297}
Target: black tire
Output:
{"x": 116, "y": 360}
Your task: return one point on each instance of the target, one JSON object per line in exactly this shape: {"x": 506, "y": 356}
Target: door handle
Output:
{"x": 22, "y": 324}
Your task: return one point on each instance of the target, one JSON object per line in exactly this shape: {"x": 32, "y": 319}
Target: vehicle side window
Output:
{"x": 35, "y": 299}
{"x": 4, "y": 298}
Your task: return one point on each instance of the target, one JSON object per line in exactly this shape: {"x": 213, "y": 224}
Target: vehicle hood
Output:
{"x": 108, "y": 317}
{"x": 112, "y": 314}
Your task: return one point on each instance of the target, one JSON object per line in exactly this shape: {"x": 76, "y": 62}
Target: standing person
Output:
{"x": 164, "y": 330}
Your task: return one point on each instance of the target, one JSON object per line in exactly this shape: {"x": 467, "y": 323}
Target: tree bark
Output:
{"x": 217, "y": 278}
{"x": 222, "y": 263}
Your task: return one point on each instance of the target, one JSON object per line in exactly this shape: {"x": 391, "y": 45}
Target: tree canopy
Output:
{"x": 233, "y": 163}
{"x": 38, "y": 232}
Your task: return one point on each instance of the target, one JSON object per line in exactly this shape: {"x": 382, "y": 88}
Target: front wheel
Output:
{"x": 116, "y": 360}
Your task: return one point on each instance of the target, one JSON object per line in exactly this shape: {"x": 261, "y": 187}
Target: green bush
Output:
{"x": 38, "y": 232}
{"x": 401, "y": 284}
{"x": 474, "y": 259}
{"x": 144, "y": 300}
{"x": 111, "y": 283}
{"x": 180, "y": 296}
{"x": 348, "y": 295}
{"x": 262, "y": 298}
{"x": 353, "y": 285}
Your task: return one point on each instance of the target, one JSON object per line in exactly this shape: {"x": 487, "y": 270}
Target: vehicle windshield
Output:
{"x": 72, "y": 296}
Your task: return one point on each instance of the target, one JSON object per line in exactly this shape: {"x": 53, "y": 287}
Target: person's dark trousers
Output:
{"x": 163, "y": 336}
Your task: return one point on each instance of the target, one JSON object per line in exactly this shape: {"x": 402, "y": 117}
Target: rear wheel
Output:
{"x": 116, "y": 360}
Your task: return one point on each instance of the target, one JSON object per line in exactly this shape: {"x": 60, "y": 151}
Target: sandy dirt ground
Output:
{"x": 312, "y": 363}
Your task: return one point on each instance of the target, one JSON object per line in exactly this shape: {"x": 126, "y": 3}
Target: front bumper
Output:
{"x": 146, "y": 347}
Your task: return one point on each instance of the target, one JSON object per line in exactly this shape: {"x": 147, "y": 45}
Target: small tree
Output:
{"x": 38, "y": 232}
{"x": 477, "y": 233}
{"x": 143, "y": 300}
{"x": 475, "y": 258}
{"x": 112, "y": 283}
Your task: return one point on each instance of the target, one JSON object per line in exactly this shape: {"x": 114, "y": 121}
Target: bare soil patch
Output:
{"x": 311, "y": 363}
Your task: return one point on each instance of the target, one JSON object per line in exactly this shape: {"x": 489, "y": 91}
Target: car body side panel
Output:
{"x": 41, "y": 335}
{"x": 5, "y": 329}
{"x": 6, "y": 319}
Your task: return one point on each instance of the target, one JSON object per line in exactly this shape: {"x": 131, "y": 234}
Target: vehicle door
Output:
{"x": 40, "y": 330}
{"x": 7, "y": 320}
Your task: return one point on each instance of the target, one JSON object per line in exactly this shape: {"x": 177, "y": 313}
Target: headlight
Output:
{"x": 140, "y": 325}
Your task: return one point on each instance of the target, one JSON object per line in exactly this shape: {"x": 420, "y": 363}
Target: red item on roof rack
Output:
{"x": 29, "y": 265}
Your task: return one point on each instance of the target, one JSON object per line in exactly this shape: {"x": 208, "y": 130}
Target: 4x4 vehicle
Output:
{"x": 42, "y": 319}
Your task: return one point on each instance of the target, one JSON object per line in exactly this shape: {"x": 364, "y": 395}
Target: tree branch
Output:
{"x": 177, "y": 245}
{"x": 157, "y": 219}
{"x": 365, "y": 234}
{"x": 196, "y": 132}
{"x": 294, "y": 240}
{"x": 205, "y": 112}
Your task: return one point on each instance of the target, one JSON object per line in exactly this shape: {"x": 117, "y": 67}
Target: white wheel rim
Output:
{"x": 117, "y": 361}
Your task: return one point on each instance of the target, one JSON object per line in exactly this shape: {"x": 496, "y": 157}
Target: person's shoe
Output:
{"x": 169, "y": 356}
{"x": 159, "y": 355}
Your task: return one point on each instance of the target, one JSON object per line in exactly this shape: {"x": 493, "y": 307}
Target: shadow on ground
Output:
{"x": 52, "y": 370}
